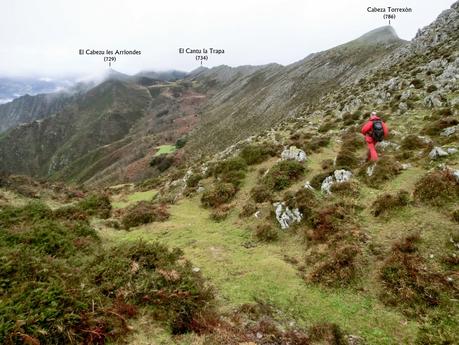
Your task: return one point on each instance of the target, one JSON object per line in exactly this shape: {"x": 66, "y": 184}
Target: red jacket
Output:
{"x": 367, "y": 127}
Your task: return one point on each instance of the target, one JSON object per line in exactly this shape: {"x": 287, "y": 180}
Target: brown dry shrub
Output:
{"x": 304, "y": 200}
{"x": 317, "y": 180}
{"x": 407, "y": 281}
{"x": 220, "y": 213}
{"x": 338, "y": 268}
{"x": 326, "y": 222}
{"x": 455, "y": 215}
{"x": 412, "y": 142}
{"x": 316, "y": 143}
{"x": 327, "y": 164}
{"x": 347, "y": 188}
{"x": 346, "y": 159}
{"x": 327, "y": 333}
{"x": 266, "y": 232}
{"x": 144, "y": 212}
{"x": 248, "y": 210}
{"x": 387, "y": 202}
{"x": 385, "y": 169}
{"x": 220, "y": 194}
{"x": 255, "y": 319}
{"x": 434, "y": 128}
{"x": 437, "y": 188}
{"x": 261, "y": 193}
{"x": 352, "y": 140}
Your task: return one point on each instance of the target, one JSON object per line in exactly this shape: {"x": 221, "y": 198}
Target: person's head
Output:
{"x": 373, "y": 115}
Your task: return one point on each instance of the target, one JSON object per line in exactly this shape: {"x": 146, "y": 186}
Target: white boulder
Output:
{"x": 285, "y": 216}
{"x": 339, "y": 176}
{"x": 449, "y": 131}
{"x": 437, "y": 152}
{"x": 293, "y": 153}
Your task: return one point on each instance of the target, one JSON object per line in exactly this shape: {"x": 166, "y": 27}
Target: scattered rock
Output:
{"x": 403, "y": 107}
{"x": 384, "y": 145}
{"x": 257, "y": 214}
{"x": 326, "y": 185}
{"x": 342, "y": 175}
{"x": 406, "y": 95}
{"x": 406, "y": 166}
{"x": 201, "y": 189}
{"x": 187, "y": 176}
{"x": 433, "y": 100}
{"x": 339, "y": 176}
{"x": 285, "y": 216}
{"x": 370, "y": 170}
{"x": 456, "y": 174}
{"x": 451, "y": 150}
{"x": 294, "y": 153}
{"x": 355, "y": 340}
{"x": 437, "y": 152}
{"x": 449, "y": 131}
{"x": 196, "y": 269}
{"x": 307, "y": 185}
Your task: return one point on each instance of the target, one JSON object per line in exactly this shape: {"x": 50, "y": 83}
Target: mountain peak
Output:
{"x": 380, "y": 35}
{"x": 112, "y": 74}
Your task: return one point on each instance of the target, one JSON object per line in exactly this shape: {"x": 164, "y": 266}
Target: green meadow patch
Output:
{"x": 165, "y": 149}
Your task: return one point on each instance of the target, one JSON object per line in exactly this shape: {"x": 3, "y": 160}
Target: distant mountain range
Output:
{"x": 109, "y": 133}
{"x": 11, "y": 88}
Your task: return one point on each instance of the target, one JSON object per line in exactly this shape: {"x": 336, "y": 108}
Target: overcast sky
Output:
{"x": 42, "y": 37}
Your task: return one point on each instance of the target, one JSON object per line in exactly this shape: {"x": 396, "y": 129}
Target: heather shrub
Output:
{"x": 261, "y": 193}
{"x": 220, "y": 194}
{"x": 406, "y": 282}
{"x": 387, "y": 202}
{"x": 327, "y": 164}
{"x": 220, "y": 213}
{"x": 417, "y": 83}
{"x": 266, "y": 232}
{"x": 316, "y": 143}
{"x": 347, "y": 188}
{"x": 283, "y": 174}
{"x": 434, "y": 128}
{"x": 96, "y": 205}
{"x": 59, "y": 285}
{"x": 317, "y": 179}
{"x": 383, "y": 170}
{"x": 255, "y": 154}
{"x": 162, "y": 162}
{"x": 144, "y": 212}
{"x": 231, "y": 170}
{"x": 193, "y": 180}
{"x": 338, "y": 269}
{"x": 305, "y": 200}
{"x": 412, "y": 142}
{"x": 437, "y": 188}
{"x": 455, "y": 215}
{"x": 326, "y": 333}
{"x": 346, "y": 159}
{"x": 248, "y": 210}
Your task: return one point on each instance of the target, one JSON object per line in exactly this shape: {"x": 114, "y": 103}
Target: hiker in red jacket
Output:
{"x": 375, "y": 130}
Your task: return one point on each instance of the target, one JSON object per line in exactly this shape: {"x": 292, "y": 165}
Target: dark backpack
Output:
{"x": 378, "y": 131}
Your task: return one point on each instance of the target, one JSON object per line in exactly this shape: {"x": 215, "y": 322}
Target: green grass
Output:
{"x": 165, "y": 149}
{"x": 242, "y": 274}
{"x": 124, "y": 201}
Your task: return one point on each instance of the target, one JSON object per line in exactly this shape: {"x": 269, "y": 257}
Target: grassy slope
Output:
{"x": 242, "y": 274}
